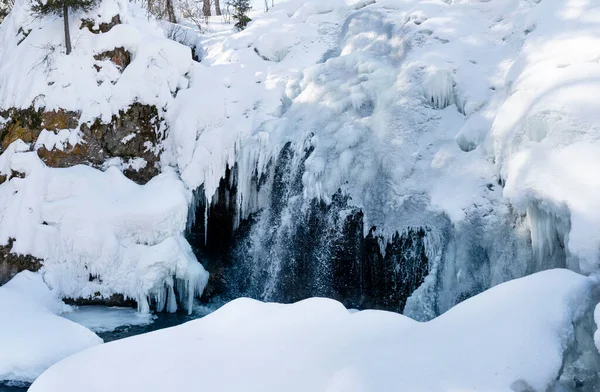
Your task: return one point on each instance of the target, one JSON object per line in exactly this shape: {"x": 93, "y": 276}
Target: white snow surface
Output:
{"x": 98, "y": 233}
{"x": 490, "y": 342}
{"x": 35, "y": 70}
{"x": 32, "y": 334}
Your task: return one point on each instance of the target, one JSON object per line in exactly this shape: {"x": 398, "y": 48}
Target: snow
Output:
{"x": 32, "y": 334}
{"x": 101, "y": 234}
{"x": 107, "y": 319}
{"x": 36, "y": 71}
{"x": 546, "y": 132}
{"x": 97, "y": 232}
{"x": 50, "y": 140}
{"x": 512, "y": 337}
{"x": 456, "y": 116}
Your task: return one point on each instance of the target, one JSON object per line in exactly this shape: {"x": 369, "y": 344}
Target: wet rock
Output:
{"x": 103, "y": 28}
{"x": 12, "y": 263}
{"x": 118, "y": 56}
{"x": 113, "y": 300}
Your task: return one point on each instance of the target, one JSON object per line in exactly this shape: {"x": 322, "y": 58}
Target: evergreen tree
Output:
{"x": 47, "y": 7}
{"x": 5, "y": 7}
{"x": 240, "y": 12}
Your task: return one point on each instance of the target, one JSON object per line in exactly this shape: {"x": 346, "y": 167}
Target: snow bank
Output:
{"x": 32, "y": 335}
{"x": 546, "y": 135}
{"x": 509, "y": 338}
{"x": 34, "y": 69}
{"x": 99, "y": 233}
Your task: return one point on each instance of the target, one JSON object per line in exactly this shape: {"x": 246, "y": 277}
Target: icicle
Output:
{"x": 438, "y": 87}
{"x": 172, "y": 300}
{"x": 206, "y": 222}
{"x": 142, "y": 304}
{"x": 161, "y": 297}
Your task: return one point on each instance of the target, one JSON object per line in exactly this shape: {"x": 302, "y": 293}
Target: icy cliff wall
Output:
{"x": 469, "y": 119}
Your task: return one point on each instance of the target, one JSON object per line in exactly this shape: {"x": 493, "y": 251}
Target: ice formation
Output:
{"x": 106, "y": 319}
{"x": 32, "y": 334}
{"x": 490, "y": 342}
{"x": 459, "y": 117}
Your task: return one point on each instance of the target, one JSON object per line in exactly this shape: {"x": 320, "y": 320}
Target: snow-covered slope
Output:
{"x": 97, "y": 232}
{"x": 35, "y": 70}
{"x": 487, "y": 343}
{"x": 32, "y": 335}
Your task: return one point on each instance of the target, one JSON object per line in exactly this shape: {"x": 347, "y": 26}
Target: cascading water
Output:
{"x": 292, "y": 248}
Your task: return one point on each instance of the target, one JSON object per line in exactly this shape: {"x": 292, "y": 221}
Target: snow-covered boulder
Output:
{"x": 511, "y": 338}
{"x": 32, "y": 334}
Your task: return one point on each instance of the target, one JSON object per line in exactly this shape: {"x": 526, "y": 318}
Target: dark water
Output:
{"x": 163, "y": 320}
{"x": 8, "y": 387}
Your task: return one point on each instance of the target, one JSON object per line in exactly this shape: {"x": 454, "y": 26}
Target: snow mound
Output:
{"x": 100, "y": 233}
{"x": 32, "y": 334}
{"x": 512, "y": 337}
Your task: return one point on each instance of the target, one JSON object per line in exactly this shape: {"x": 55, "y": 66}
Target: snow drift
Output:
{"x": 32, "y": 335}
{"x": 488, "y": 343}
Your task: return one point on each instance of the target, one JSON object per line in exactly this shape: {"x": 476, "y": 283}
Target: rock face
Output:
{"x": 131, "y": 135}
{"x": 11, "y": 263}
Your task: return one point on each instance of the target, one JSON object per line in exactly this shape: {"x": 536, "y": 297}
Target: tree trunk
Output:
{"x": 218, "y": 7}
{"x": 67, "y": 32}
{"x": 171, "y": 12}
{"x": 206, "y": 7}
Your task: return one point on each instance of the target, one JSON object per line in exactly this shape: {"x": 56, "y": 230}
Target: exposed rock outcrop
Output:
{"x": 133, "y": 134}
{"x": 12, "y": 263}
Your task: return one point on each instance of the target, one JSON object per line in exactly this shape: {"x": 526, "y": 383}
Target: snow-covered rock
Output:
{"x": 101, "y": 234}
{"x": 97, "y": 233}
{"x": 510, "y": 338}
{"x": 32, "y": 334}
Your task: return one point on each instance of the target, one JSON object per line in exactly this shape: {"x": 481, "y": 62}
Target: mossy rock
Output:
{"x": 133, "y": 133}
